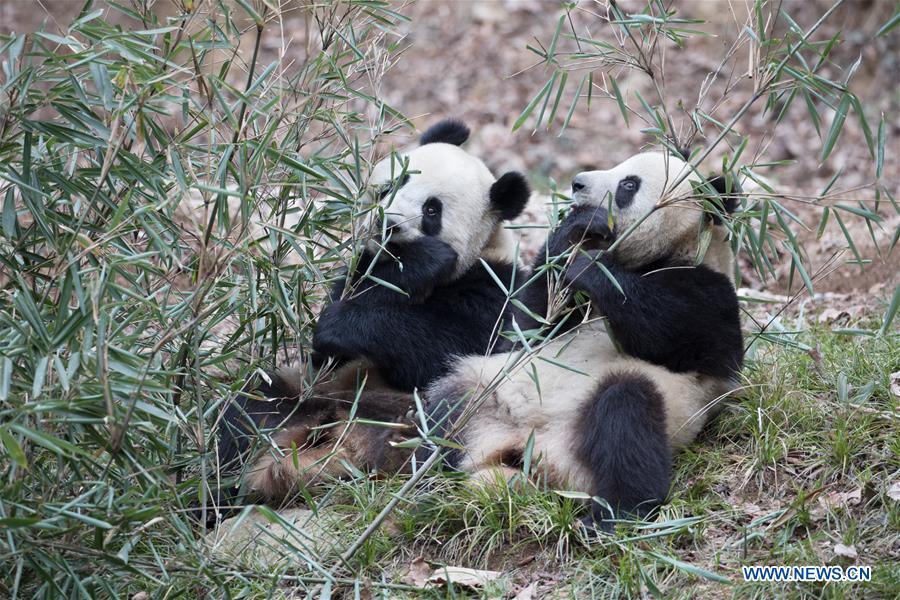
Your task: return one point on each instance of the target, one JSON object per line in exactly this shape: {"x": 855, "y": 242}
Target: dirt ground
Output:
{"x": 469, "y": 59}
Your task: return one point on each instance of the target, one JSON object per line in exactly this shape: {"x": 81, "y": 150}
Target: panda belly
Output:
{"x": 548, "y": 396}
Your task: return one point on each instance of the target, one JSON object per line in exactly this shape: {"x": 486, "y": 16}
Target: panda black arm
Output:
{"x": 425, "y": 264}
{"x": 411, "y": 344}
{"x": 684, "y": 318}
{"x": 536, "y": 295}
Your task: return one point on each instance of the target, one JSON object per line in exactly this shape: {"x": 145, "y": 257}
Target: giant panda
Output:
{"x": 605, "y": 403}
{"x": 423, "y": 292}
{"x": 605, "y": 391}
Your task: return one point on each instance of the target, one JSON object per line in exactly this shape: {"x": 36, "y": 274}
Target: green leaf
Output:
{"x": 551, "y": 51}
{"x": 540, "y": 117}
{"x": 559, "y": 93}
{"x": 837, "y": 125}
{"x": 51, "y": 443}
{"x": 690, "y": 569}
{"x": 19, "y": 522}
{"x": 891, "y": 23}
{"x": 388, "y": 285}
{"x": 563, "y": 365}
{"x": 13, "y": 448}
{"x": 521, "y": 306}
{"x": 619, "y": 100}
{"x": 40, "y": 372}
{"x": 9, "y": 215}
{"x": 863, "y": 123}
{"x": 494, "y": 277}
{"x": 528, "y": 454}
{"x": 574, "y": 104}
{"x": 797, "y": 262}
{"x": 534, "y": 102}
{"x": 890, "y": 313}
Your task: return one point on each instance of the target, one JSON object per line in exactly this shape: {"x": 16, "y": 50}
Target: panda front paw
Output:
{"x": 440, "y": 256}
{"x": 585, "y": 264}
{"x": 329, "y": 338}
{"x": 421, "y": 265}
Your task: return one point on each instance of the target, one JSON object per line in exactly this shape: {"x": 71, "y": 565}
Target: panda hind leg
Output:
{"x": 301, "y": 456}
{"x": 624, "y": 444}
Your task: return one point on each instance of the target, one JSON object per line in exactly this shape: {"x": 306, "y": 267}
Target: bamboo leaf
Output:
{"x": 891, "y": 23}
{"x": 890, "y": 313}
{"x": 690, "y": 569}
{"x": 534, "y": 102}
{"x": 13, "y": 449}
{"x": 619, "y": 100}
{"x": 837, "y": 125}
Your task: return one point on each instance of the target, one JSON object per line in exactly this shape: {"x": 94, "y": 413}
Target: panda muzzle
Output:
{"x": 588, "y": 227}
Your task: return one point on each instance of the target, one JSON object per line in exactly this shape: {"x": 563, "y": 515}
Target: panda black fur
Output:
{"x": 443, "y": 216}
{"x": 610, "y": 399}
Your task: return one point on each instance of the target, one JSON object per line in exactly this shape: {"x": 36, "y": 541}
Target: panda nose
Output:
{"x": 578, "y": 184}
{"x": 390, "y": 223}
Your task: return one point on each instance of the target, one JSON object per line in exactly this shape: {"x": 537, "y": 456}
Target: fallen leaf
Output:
{"x": 832, "y": 501}
{"x": 527, "y": 592}
{"x": 751, "y": 509}
{"x": 471, "y": 578}
{"x": 784, "y": 518}
{"x": 526, "y": 560}
{"x": 846, "y": 551}
{"x": 837, "y": 499}
{"x": 895, "y": 383}
{"x": 832, "y": 314}
{"x": 815, "y": 354}
{"x": 418, "y": 573}
{"x": 894, "y": 491}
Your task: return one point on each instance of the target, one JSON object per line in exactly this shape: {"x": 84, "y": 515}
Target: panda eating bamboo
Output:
{"x": 422, "y": 293}
{"x": 635, "y": 339}
{"x": 606, "y": 400}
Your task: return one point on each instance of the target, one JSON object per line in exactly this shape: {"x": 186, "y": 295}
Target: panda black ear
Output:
{"x": 683, "y": 152}
{"x": 448, "y": 131}
{"x": 509, "y": 195}
{"x": 730, "y": 192}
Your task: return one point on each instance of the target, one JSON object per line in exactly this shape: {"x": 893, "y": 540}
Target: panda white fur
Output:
{"x": 444, "y": 214}
{"x": 608, "y": 400}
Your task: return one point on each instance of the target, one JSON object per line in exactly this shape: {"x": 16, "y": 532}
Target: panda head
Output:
{"x": 438, "y": 189}
{"x": 638, "y": 201}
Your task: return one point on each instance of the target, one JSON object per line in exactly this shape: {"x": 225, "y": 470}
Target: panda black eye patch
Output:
{"x": 626, "y": 190}
{"x": 431, "y": 216}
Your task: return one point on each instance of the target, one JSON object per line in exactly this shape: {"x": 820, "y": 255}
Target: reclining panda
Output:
{"x": 605, "y": 397}
{"x": 609, "y": 399}
{"x": 418, "y": 297}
